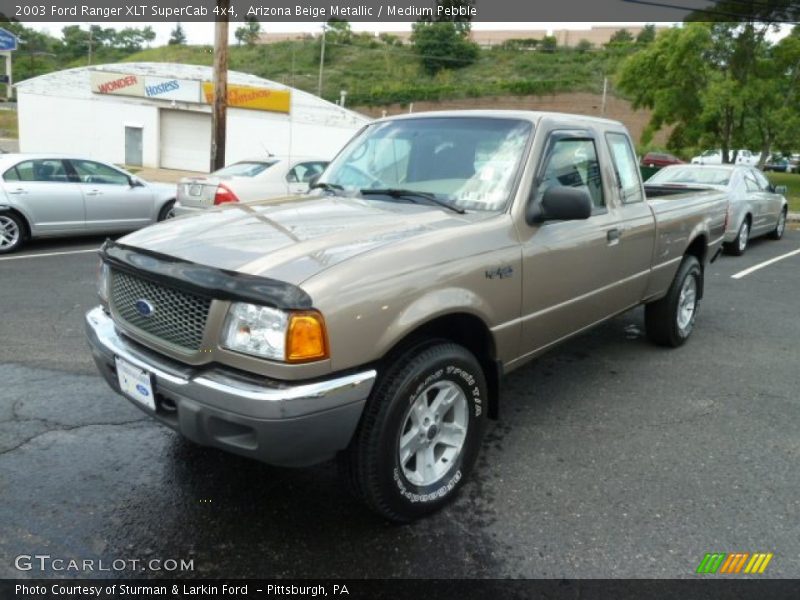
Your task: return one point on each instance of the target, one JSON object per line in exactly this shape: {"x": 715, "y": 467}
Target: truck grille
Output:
{"x": 177, "y": 317}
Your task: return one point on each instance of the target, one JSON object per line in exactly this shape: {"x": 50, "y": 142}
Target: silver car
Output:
{"x": 248, "y": 181}
{"x": 45, "y": 195}
{"x": 756, "y": 206}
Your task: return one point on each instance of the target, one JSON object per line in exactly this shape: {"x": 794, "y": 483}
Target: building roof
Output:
{"x": 76, "y": 83}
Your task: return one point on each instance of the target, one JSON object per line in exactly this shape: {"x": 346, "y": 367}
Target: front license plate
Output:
{"x": 135, "y": 383}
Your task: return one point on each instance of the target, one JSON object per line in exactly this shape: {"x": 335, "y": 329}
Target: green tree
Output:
{"x": 443, "y": 42}
{"x": 647, "y": 35}
{"x": 339, "y": 31}
{"x": 549, "y": 43}
{"x": 621, "y": 36}
{"x": 584, "y": 46}
{"x": 74, "y": 41}
{"x": 177, "y": 37}
{"x": 441, "y": 45}
{"x": 249, "y": 32}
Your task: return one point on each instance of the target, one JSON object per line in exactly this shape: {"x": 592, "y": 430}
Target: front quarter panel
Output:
{"x": 372, "y": 303}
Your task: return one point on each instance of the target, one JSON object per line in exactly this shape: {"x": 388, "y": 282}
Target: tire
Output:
{"x": 739, "y": 245}
{"x": 402, "y": 406}
{"x": 670, "y": 321}
{"x": 12, "y": 232}
{"x": 166, "y": 211}
{"x": 780, "y": 226}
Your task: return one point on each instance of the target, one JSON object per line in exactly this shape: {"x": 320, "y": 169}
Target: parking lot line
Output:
{"x": 48, "y": 254}
{"x": 766, "y": 263}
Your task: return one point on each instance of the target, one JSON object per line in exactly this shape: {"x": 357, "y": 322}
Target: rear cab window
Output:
{"x": 625, "y": 167}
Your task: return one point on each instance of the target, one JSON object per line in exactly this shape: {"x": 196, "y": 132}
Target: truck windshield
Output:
{"x": 468, "y": 162}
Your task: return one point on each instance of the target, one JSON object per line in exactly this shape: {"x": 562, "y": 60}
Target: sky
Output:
{"x": 203, "y": 33}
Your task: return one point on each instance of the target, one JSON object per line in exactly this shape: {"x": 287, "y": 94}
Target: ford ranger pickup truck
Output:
{"x": 373, "y": 319}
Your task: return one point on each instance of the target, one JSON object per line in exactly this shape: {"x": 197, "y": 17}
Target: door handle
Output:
{"x": 18, "y": 191}
{"x": 613, "y": 235}
{"x": 94, "y": 193}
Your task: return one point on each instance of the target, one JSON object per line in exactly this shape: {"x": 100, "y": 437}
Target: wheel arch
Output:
{"x": 26, "y": 224}
{"x": 463, "y": 328}
{"x": 699, "y": 249}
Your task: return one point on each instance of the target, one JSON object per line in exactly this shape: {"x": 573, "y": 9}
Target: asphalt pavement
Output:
{"x": 612, "y": 457}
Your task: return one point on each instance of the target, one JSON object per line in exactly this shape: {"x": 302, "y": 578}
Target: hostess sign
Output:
{"x": 172, "y": 89}
{"x": 162, "y": 88}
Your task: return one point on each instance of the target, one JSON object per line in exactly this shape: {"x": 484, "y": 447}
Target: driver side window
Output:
{"x": 573, "y": 162}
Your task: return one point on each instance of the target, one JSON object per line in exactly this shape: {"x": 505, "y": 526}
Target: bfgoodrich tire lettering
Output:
{"x": 670, "y": 321}
{"x": 414, "y": 388}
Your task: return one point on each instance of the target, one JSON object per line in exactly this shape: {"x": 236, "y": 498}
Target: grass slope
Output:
{"x": 374, "y": 73}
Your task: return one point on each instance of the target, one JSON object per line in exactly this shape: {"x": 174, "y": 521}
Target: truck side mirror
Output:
{"x": 562, "y": 203}
{"x": 313, "y": 181}
{"x": 781, "y": 189}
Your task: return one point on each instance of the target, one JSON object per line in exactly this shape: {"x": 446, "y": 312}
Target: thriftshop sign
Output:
{"x": 255, "y": 98}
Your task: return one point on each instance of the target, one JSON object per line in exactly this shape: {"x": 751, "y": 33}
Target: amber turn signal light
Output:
{"x": 306, "y": 338}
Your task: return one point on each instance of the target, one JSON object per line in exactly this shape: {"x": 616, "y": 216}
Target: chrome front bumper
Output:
{"x": 281, "y": 423}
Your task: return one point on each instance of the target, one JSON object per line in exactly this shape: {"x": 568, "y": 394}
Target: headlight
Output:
{"x": 103, "y": 279}
{"x": 275, "y": 334}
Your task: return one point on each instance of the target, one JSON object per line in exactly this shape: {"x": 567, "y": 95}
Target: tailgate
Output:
{"x": 196, "y": 193}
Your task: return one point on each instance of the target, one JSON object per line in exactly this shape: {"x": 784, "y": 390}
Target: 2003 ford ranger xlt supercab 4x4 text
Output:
{"x": 373, "y": 319}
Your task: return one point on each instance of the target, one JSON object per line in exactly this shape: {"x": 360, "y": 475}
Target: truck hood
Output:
{"x": 291, "y": 238}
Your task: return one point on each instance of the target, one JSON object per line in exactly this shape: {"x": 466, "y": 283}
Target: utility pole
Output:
{"x": 605, "y": 95}
{"x": 220, "y": 78}
{"x": 91, "y": 41}
{"x": 321, "y": 63}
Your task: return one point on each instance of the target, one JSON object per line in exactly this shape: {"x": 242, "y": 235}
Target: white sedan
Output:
{"x": 714, "y": 157}
{"x": 43, "y": 195}
{"x": 247, "y": 181}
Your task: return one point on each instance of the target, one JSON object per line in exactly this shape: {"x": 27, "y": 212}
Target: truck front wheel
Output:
{"x": 669, "y": 321}
{"x": 420, "y": 433}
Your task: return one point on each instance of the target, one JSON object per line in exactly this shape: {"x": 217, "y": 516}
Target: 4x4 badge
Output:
{"x": 500, "y": 272}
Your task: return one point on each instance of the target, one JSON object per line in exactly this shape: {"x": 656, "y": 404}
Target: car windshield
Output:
{"x": 710, "y": 153}
{"x": 469, "y": 163}
{"x": 692, "y": 175}
{"x": 244, "y": 169}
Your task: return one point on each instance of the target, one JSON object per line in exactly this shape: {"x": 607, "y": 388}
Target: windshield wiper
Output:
{"x": 328, "y": 187}
{"x": 412, "y": 195}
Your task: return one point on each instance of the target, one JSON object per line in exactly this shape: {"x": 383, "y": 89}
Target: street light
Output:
{"x": 321, "y": 62}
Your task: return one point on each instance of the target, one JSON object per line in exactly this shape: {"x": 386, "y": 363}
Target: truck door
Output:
{"x": 574, "y": 272}
{"x": 636, "y": 222}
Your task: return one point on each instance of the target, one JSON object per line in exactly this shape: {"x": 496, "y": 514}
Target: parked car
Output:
{"x": 374, "y": 319}
{"x": 714, "y": 157}
{"x": 659, "y": 159}
{"x": 756, "y": 206}
{"x": 780, "y": 164}
{"x": 44, "y": 195}
{"x": 246, "y": 181}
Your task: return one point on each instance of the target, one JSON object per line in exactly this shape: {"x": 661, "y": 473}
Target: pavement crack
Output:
{"x": 67, "y": 428}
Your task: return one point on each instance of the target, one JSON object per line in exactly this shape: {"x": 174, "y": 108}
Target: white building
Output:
{"x": 159, "y": 115}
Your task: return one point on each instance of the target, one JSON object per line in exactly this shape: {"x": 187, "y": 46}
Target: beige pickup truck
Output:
{"x": 373, "y": 319}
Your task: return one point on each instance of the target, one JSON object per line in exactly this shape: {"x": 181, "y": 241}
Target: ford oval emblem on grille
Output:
{"x": 144, "y": 308}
